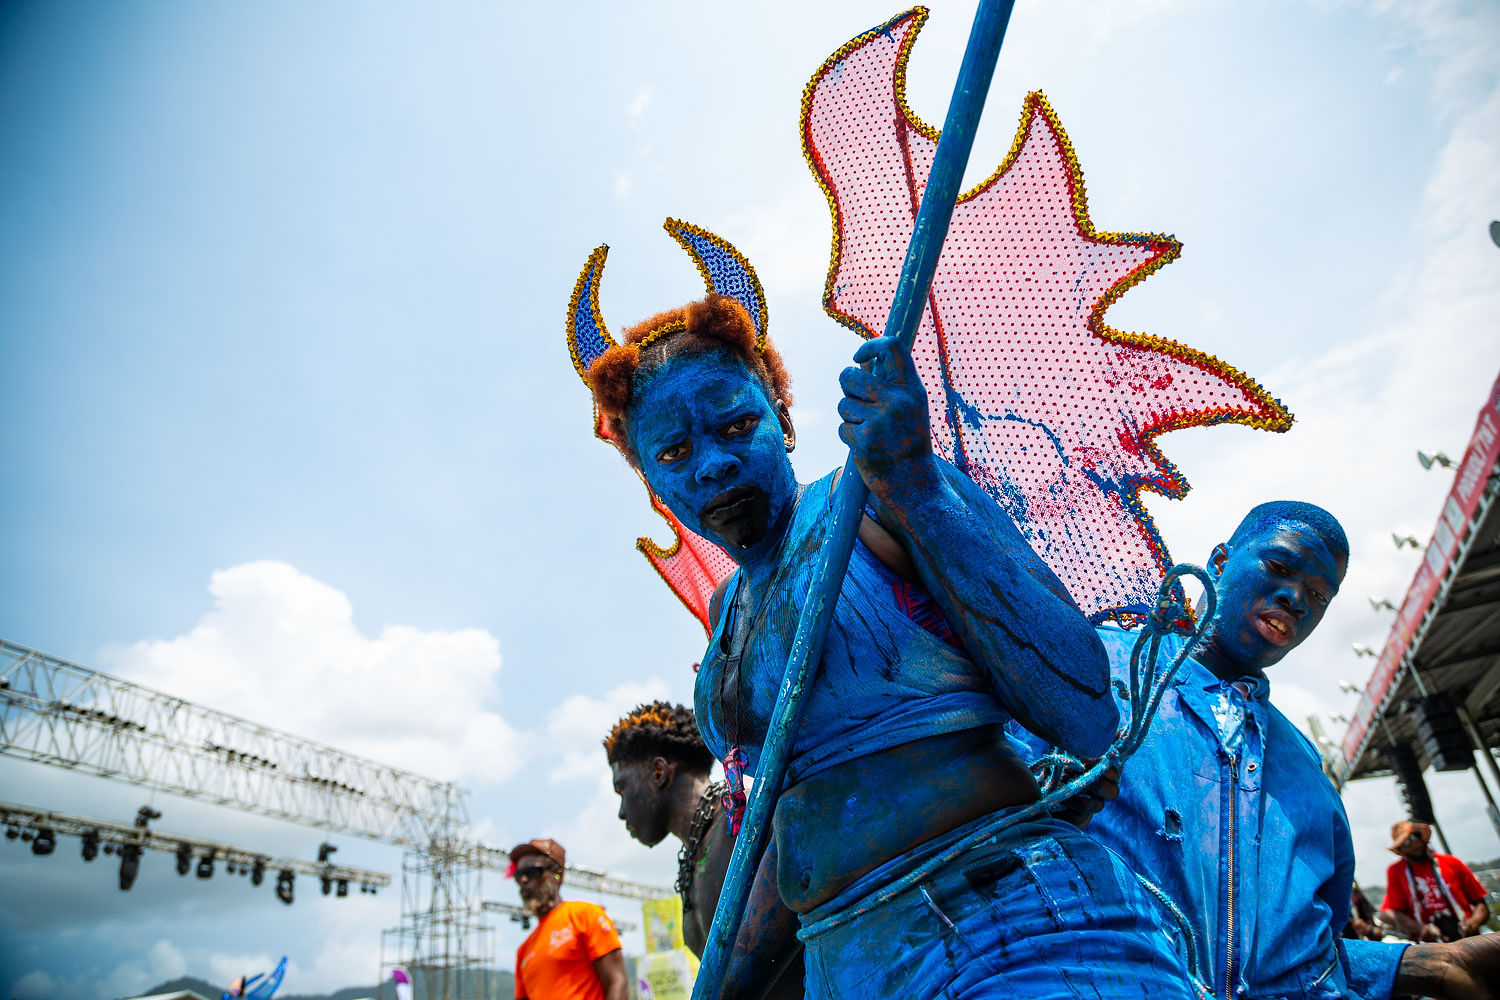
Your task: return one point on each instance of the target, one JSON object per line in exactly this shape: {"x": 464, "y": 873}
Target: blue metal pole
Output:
{"x": 938, "y": 200}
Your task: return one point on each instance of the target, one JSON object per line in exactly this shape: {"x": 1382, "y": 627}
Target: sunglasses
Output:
{"x": 530, "y": 872}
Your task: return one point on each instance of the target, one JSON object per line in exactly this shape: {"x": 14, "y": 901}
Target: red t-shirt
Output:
{"x": 556, "y": 962}
{"x": 1430, "y": 899}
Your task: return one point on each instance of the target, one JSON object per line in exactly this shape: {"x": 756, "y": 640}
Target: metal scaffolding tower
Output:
{"x": 59, "y": 713}
{"x": 69, "y": 716}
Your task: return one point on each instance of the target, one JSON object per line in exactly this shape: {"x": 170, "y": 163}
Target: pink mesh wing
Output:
{"x": 1044, "y": 406}
{"x": 692, "y": 566}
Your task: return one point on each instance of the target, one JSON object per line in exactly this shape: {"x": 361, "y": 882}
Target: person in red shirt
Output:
{"x": 574, "y": 952}
{"x": 1431, "y": 897}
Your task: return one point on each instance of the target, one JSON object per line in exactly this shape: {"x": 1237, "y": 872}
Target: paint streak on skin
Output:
{"x": 688, "y": 425}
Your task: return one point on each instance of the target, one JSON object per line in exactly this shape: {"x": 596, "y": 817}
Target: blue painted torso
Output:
{"x": 1241, "y": 829}
{"x": 883, "y": 681}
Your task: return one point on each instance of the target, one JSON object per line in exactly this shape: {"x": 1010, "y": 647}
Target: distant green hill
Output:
{"x": 480, "y": 984}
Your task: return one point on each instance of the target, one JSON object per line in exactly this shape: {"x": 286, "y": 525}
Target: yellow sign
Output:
{"x": 667, "y": 970}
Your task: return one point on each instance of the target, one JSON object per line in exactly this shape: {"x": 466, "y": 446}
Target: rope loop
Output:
{"x": 1060, "y": 774}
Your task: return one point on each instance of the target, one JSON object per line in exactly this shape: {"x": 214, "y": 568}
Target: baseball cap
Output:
{"x": 544, "y": 846}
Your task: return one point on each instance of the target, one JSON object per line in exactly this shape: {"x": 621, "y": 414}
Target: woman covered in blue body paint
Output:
{"x": 948, "y": 624}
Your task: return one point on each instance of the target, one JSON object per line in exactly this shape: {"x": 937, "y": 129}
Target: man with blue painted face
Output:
{"x": 947, "y": 626}
{"x": 1225, "y": 806}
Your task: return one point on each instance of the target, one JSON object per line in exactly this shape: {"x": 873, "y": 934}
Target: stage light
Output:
{"x": 324, "y": 851}
{"x": 144, "y": 815}
{"x": 1360, "y": 649}
{"x": 11, "y": 833}
{"x": 228, "y": 866}
{"x": 258, "y": 873}
{"x": 90, "y": 845}
{"x": 44, "y": 844}
{"x": 284, "y": 887}
{"x": 327, "y": 885}
{"x": 130, "y": 865}
{"x": 109, "y": 848}
{"x": 343, "y": 887}
{"x": 206, "y": 865}
{"x": 184, "y": 859}
{"x": 1428, "y": 461}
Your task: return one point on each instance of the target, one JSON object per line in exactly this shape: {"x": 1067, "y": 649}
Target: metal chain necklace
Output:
{"x": 703, "y": 817}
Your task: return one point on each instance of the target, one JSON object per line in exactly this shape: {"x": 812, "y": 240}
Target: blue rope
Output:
{"x": 1146, "y": 691}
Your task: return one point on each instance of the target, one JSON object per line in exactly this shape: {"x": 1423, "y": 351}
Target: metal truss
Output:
{"x": 105, "y": 832}
{"x": 521, "y": 915}
{"x": 494, "y": 859}
{"x": 60, "y": 713}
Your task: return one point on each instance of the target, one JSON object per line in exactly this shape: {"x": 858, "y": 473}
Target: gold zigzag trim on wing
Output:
{"x": 815, "y": 163}
{"x": 656, "y": 555}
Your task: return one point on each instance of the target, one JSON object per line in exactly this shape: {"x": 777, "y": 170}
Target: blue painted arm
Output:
{"x": 1011, "y": 612}
{"x": 1371, "y": 966}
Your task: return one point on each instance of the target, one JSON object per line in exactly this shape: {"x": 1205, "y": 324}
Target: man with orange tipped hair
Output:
{"x": 661, "y": 769}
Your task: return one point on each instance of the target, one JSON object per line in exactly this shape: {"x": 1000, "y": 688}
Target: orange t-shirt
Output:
{"x": 556, "y": 962}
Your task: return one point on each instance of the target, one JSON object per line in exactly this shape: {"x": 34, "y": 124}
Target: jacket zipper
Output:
{"x": 1234, "y": 785}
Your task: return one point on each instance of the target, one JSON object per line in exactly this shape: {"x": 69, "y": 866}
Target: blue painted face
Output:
{"x": 1273, "y": 589}
{"x": 713, "y": 446}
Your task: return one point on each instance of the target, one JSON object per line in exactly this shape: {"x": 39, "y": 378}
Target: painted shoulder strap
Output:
{"x": 1049, "y": 409}
{"x": 691, "y": 565}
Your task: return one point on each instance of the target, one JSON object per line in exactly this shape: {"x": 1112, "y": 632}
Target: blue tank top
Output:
{"x": 884, "y": 679}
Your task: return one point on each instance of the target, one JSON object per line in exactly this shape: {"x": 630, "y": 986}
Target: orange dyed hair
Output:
{"x": 716, "y": 322}
{"x": 660, "y": 729}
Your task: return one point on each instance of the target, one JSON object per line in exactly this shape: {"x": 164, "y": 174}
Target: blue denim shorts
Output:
{"x": 1040, "y": 911}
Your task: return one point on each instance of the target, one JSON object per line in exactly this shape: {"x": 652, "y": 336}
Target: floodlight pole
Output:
{"x": 850, "y": 495}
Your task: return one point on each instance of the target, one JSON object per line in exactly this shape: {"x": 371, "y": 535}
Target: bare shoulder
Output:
{"x": 716, "y": 602}
{"x": 886, "y": 547}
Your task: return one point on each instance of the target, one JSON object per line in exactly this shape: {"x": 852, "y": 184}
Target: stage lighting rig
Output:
{"x": 284, "y": 887}
{"x": 44, "y": 843}
{"x": 40, "y": 828}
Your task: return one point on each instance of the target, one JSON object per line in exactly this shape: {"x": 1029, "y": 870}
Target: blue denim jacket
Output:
{"x": 1226, "y": 809}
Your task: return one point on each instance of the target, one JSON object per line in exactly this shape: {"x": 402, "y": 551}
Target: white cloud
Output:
{"x": 639, "y": 105}
{"x": 162, "y": 962}
{"x": 595, "y": 836}
{"x": 579, "y": 722}
{"x": 282, "y": 648}
{"x": 622, "y": 184}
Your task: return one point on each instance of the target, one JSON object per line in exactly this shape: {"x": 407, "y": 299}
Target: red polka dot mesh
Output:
{"x": 1042, "y": 404}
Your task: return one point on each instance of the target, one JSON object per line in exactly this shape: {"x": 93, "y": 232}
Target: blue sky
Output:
{"x": 290, "y": 426}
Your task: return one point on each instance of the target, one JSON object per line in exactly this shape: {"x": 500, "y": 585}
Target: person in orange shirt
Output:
{"x": 574, "y": 952}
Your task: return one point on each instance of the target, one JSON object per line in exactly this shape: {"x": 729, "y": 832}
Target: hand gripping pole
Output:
{"x": 927, "y": 236}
